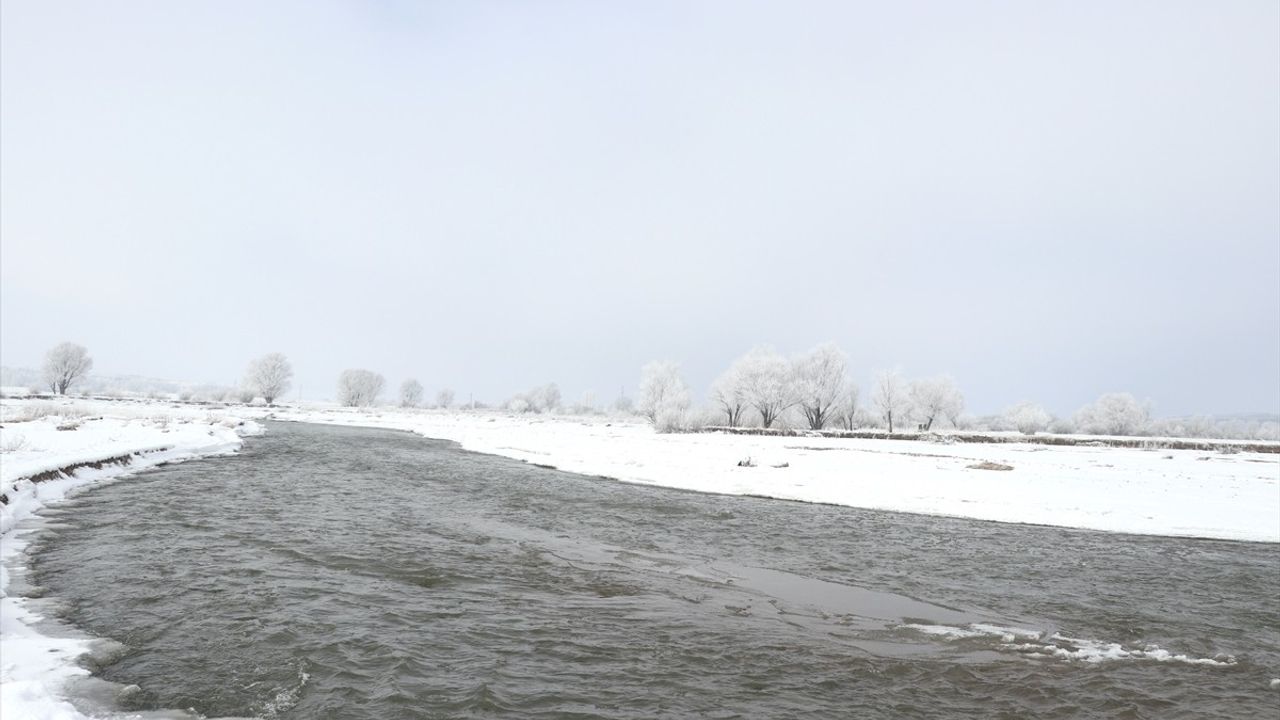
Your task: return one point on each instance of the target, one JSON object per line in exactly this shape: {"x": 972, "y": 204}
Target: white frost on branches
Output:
{"x": 934, "y": 398}
{"x": 766, "y": 380}
{"x": 889, "y": 395}
{"x": 359, "y": 388}
{"x": 444, "y": 398}
{"x": 410, "y": 393}
{"x": 818, "y": 383}
{"x": 1027, "y": 418}
{"x": 1113, "y": 414}
{"x": 730, "y": 394}
{"x": 268, "y": 377}
{"x": 64, "y": 365}
{"x": 663, "y": 396}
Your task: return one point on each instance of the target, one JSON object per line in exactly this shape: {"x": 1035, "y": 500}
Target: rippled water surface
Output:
{"x": 349, "y": 573}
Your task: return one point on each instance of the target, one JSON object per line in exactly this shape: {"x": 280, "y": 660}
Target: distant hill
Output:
{"x": 1258, "y": 417}
{"x": 98, "y": 384}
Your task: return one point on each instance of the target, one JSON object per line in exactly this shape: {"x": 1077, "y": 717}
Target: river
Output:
{"x": 330, "y": 572}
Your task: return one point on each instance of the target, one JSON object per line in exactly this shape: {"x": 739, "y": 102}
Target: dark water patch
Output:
{"x": 344, "y": 573}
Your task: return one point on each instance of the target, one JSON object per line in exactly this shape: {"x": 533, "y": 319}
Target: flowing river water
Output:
{"x": 351, "y": 573}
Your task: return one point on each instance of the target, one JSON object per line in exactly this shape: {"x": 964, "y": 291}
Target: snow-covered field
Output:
{"x": 42, "y": 437}
{"x": 1157, "y": 492}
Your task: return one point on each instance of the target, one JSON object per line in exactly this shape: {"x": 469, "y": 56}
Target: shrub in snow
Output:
{"x": 1208, "y": 427}
{"x": 64, "y": 365}
{"x": 410, "y": 393}
{"x": 1062, "y": 426}
{"x": 359, "y": 388}
{"x": 1267, "y": 431}
{"x": 1114, "y": 414}
{"x": 40, "y": 411}
{"x": 539, "y": 400}
{"x": 818, "y": 383}
{"x": 13, "y": 442}
{"x": 669, "y": 420}
{"x": 1027, "y": 418}
{"x": 700, "y": 418}
{"x": 663, "y": 396}
{"x": 268, "y": 377}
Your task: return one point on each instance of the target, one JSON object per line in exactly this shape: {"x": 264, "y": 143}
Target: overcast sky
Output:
{"x": 1048, "y": 200}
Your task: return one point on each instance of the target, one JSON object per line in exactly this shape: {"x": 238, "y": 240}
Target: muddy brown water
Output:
{"x": 351, "y": 573}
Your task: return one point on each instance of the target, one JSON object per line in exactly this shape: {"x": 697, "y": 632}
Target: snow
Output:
{"x": 1193, "y": 493}
{"x": 34, "y": 667}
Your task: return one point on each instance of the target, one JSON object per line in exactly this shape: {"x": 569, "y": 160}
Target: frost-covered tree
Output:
{"x": 818, "y": 383}
{"x": 933, "y": 398}
{"x": 269, "y": 377}
{"x": 663, "y": 396}
{"x": 539, "y": 400}
{"x": 766, "y": 378}
{"x": 1113, "y": 414}
{"x": 410, "y": 393}
{"x": 730, "y": 395}
{"x": 889, "y": 395}
{"x": 359, "y": 388}
{"x": 65, "y": 364}
{"x": 1027, "y": 418}
{"x": 848, "y": 408}
{"x": 444, "y": 398}
{"x": 545, "y": 399}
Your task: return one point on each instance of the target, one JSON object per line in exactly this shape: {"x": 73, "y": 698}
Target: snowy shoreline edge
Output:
{"x": 1225, "y": 493}
{"x": 35, "y": 668}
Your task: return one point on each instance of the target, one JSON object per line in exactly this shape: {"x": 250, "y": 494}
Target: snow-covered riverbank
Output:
{"x": 1192, "y": 493}
{"x": 49, "y": 450}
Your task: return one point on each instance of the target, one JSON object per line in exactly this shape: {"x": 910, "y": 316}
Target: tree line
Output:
{"x": 762, "y": 388}
{"x": 267, "y": 378}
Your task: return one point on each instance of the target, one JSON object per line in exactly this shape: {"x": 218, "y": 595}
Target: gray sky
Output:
{"x": 1049, "y": 200}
